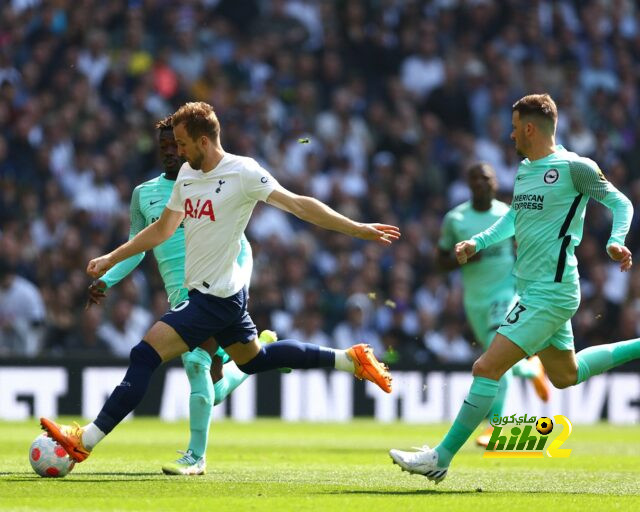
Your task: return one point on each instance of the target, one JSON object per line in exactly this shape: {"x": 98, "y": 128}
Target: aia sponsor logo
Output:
{"x": 199, "y": 210}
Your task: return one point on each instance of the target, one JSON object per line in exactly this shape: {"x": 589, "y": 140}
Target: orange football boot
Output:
{"x": 484, "y": 438}
{"x": 67, "y": 436}
{"x": 368, "y": 367}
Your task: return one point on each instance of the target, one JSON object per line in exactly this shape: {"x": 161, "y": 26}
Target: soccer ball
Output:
{"x": 48, "y": 458}
{"x": 544, "y": 425}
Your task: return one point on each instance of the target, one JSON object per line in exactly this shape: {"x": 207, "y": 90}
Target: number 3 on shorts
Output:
{"x": 180, "y": 306}
{"x": 514, "y": 315}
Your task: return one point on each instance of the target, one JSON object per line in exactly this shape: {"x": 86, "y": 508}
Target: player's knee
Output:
{"x": 200, "y": 400}
{"x": 563, "y": 380}
{"x": 482, "y": 369}
{"x": 255, "y": 365}
{"x": 145, "y": 354}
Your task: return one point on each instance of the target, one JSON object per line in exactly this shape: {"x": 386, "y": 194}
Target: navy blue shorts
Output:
{"x": 202, "y": 316}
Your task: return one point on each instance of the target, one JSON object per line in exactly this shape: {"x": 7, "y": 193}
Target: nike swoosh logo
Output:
{"x": 519, "y": 177}
{"x": 154, "y": 202}
{"x": 469, "y": 403}
{"x": 187, "y": 184}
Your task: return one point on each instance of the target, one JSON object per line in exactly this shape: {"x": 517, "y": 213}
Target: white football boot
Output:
{"x": 186, "y": 465}
{"x": 422, "y": 462}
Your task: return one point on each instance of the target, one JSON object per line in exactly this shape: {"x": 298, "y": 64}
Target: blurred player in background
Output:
{"x": 209, "y": 384}
{"x": 214, "y": 195}
{"x": 489, "y": 284}
{"x": 551, "y": 192}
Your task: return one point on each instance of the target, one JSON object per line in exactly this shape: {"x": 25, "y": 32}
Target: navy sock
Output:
{"x": 127, "y": 395}
{"x": 289, "y": 354}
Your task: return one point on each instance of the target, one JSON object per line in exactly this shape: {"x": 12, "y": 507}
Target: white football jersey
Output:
{"x": 217, "y": 206}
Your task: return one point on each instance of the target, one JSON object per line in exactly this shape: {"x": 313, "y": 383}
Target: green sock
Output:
{"x": 197, "y": 364}
{"x": 232, "y": 378}
{"x": 524, "y": 368}
{"x": 474, "y": 409}
{"x": 497, "y": 408}
{"x": 596, "y": 360}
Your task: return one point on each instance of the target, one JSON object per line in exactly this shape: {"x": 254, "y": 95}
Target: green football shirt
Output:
{"x": 547, "y": 215}
{"x": 495, "y": 267}
{"x": 147, "y": 203}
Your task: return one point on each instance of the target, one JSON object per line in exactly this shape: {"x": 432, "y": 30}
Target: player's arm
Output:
{"x": 311, "y": 210}
{"x": 500, "y": 230}
{"x": 121, "y": 270}
{"x": 148, "y": 238}
{"x": 446, "y": 260}
{"x": 588, "y": 180}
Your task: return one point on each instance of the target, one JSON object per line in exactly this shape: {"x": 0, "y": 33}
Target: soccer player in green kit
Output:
{"x": 551, "y": 191}
{"x": 489, "y": 284}
{"x": 147, "y": 202}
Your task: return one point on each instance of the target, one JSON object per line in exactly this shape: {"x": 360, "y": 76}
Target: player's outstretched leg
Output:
{"x": 434, "y": 462}
{"x": 79, "y": 441}
{"x": 359, "y": 360}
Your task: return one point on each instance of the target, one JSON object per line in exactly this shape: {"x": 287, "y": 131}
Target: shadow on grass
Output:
{"x": 402, "y": 492}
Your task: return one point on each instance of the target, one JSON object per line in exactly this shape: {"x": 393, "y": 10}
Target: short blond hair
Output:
{"x": 199, "y": 119}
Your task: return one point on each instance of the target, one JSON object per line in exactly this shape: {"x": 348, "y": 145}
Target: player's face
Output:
{"x": 187, "y": 147}
{"x": 171, "y": 161}
{"x": 518, "y": 135}
{"x": 482, "y": 182}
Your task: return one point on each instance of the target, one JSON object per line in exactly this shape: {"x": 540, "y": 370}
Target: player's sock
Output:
{"x": 91, "y": 436}
{"x": 497, "y": 408}
{"x": 343, "y": 362}
{"x": 197, "y": 364}
{"x": 289, "y": 354}
{"x": 525, "y": 369}
{"x": 474, "y": 409}
{"x": 231, "y": 379}
{"x": 596, "y": 360}
{"x": 127, "y": 395}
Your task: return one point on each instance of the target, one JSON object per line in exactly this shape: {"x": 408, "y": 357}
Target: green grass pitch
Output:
{"x": 276, "y": 466}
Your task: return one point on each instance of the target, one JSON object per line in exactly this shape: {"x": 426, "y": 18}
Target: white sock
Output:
{"x": 91, "y": 436}
{"x": 344, "y": 362}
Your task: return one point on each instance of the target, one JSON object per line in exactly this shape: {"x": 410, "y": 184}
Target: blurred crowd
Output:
{"x": 396, "y": 98}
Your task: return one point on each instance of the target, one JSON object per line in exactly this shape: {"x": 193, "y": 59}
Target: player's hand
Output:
{"x": 96, "y": 293}
{"x": 382, "y": 233}
{"x": 464, "y": 251}
{"x": 620, "y": 253}
{"x": 98, "y": 266}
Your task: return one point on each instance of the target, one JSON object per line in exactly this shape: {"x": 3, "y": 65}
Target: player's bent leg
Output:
{"x": 561, "y": 366}
{"x": 601, "y": 358}
{"x": 497, "y": 408}
{"x": 501, "y": 355}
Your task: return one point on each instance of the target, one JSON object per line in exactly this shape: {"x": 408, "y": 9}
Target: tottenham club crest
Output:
{"x": 551, "y": 176}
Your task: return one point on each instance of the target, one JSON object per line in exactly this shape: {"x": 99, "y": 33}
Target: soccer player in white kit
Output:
{"x": 214, "y": 195}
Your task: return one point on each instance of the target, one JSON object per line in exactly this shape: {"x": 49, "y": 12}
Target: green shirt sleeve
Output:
{"x": 588, "y": 180}
{"x": 447, "y": 235}
{"x": 501, "y": 229}
{"x": 121, "y": 270}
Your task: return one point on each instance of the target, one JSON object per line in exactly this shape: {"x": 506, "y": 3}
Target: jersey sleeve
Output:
{"x": 588, "y": 180}
{"x": 137, "y": 223}
{"x": 257, "y": 183}
{"x": 447, "y": 239}
{"x": 175, "y": 200}
{"x": 501, "y": 229}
